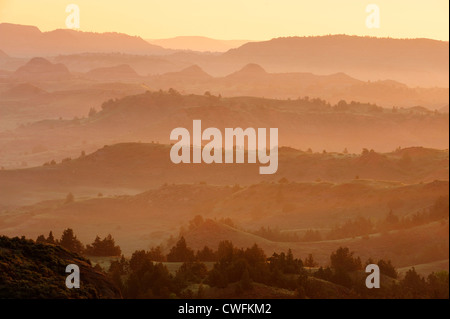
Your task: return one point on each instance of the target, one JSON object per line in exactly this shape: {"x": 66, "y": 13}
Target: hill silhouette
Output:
{"x": 248, "y": 71}
{"x": 191, "y": 72}
{"x": 250, "y": 80}
{"x": 41, "y": 69}
{"x": 415, "y": 62}
{"x": 26, "y": 41}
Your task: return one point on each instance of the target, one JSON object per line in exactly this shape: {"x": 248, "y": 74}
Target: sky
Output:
{"x": 237, "y": 19}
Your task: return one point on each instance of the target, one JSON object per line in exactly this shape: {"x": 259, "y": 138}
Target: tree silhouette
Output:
{"x": 342, "y": 260}
{"x": 105, "y": 247}
{"x": 70, "y": 241}
{"x": 310, "y": 262}
{"x": 180, "y": 252}
{"x": 51, "y": 238}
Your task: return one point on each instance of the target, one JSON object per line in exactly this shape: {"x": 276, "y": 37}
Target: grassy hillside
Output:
{"x": 406, "y": 248}
{"x": 151, "y": 217}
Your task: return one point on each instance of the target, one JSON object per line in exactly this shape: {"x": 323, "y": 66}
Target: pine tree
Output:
{"x": 70, "y": 241}
{"x": 50, "y": 238}
{"x": 310, "y": 262}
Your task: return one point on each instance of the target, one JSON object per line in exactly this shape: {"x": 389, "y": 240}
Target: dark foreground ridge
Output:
{"x": 30, "y": 270}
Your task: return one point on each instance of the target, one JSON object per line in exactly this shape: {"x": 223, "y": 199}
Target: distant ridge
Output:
{"x": 198, "y": 43}
{"x": 417, "y": 62}
{"x": 26, "y": 41}
{"x": 253, "y": 80}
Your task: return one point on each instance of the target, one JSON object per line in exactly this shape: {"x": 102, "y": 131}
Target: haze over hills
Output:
{"x": 41, "y": 69}
{"x": 107, "y": 170}
{"x": 359, "y": 158}
{"x": 251, "y": 80}
{"x": 196, "y": 43}
{"x": 28, "y": 41}
{"x": 254, "y": 80}
{"x": 406, "y": 248}
{"x": 43, "y": 91}
{"x": 151, "y": 116}
{"x": 416, "y": 62}
{"x": 30, "y": 97}
{"x": 357, "y": 138}
{"x": 132, "y": 218}
{"x": 142, "y": 64}
{"x": 23, "y": 90}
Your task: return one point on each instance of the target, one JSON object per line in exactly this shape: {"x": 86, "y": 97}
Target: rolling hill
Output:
{"x": 405, "y": 249}
{"x": 150, "y": 217}
{"x": 108, "y": 169}
{"x": 151, "y": 116}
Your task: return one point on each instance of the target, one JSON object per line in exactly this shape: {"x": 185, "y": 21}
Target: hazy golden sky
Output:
{"x": 237, "y": 19}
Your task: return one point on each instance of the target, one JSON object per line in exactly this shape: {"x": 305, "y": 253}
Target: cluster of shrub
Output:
{"x": 363, "y": 226}
{"x": 145, "y": 275}
{"x": 99, "y": 247}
